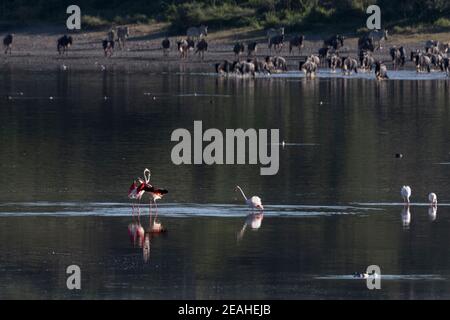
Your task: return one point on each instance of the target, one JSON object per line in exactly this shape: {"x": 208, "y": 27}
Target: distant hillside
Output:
{"x": 401, "y": 15}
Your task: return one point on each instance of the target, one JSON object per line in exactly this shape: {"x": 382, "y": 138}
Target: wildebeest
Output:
{"x": 366, "y": 60}
{"x": 324, "y": 52}
{"x": 336, "y": 42}
{"x": 437, "y": 60}
{"x": 197, "y": 32}
{"x": 224, "y": 67}
{"x": 122, "y": 35}
{"x": 247, "y": 67}
{"x": 378, "y": 37}
{"x": 380, "y": 71}
{"x": 446, "y": 65}
{"x": 349, "y": 65}
{"x": 309, "y": 67}
{"x": 296, "y": 41}
{"x": 276, "y": 63}
{"x": 273, "y": 33}
{"x": 277, "y": 43}
{"x": 252, "y": 47}
{"x": 202, "y": 47}
{"x": 398, "y": 56}
{"x": 108, "y": 47}
{"x": 238, "y": 49}
{"x": 165, "y": 45}
{"x": 111, "y": 35}
{"x": 183, "y": 48}
{"x": 261, "y": 66}
{"x": 365, "y": 43}
{"x": 334, "y": 62}
{"x": 422, "y": 61}
{"x": 64, "y": 44}
{"x": 7, "y": 43}
{"x": 432, "y": 46}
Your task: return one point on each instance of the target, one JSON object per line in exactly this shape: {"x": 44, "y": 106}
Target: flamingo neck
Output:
{"x": 243, "y": 194}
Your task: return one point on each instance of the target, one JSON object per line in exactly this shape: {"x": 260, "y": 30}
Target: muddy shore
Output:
{"x": 35, "y": 49}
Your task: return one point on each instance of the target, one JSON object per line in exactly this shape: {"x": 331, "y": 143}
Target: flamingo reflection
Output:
{"x": 254, "y": 221}
{"x": 432, "y": 213}
{"x": 406, "y": 216}
{"x": 146, "y": 247}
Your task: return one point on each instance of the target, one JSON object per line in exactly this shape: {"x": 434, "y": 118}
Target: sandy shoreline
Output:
{"x": 35, "y": 49}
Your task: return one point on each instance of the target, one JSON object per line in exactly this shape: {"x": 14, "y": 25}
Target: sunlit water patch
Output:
{"x": 172, "y": 209}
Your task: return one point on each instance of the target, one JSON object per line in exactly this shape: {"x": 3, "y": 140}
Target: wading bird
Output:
{"x": 406, "y": 194}
{"x": 254, "y": 202}
{"x": 136, "y": 190}
{"x": 154, "y": 194}
{"x": 432, "y": 197}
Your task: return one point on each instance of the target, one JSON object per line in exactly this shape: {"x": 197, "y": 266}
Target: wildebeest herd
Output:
{"x": 331, "y": 54}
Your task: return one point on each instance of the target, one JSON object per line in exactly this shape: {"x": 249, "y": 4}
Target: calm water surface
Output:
{"x": 72, "y": 141}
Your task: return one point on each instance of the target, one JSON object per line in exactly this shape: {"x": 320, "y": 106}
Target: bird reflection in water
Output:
{"x": 146, "y": 247}
{"x": 254, "y": 221}
{"x": 406, "y": 217}
{"x": 136, "y": 233}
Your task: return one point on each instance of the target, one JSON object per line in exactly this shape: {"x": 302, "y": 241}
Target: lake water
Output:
{"x": 72, "y": 141}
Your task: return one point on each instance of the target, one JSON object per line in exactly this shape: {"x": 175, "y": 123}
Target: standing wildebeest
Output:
{"x": 296, "y": 41}
{"x": 380, "y": 71}
{"x": 277, "y": 43}
{"x": 202, "y": 47}
{"x": 422, "y": 61}
{"x": 446, "y": 65}
{"x": 349, "y": 65}
{"x": 252, "y": 47}
{"x": 183, "y": 48}
{"x": 398, "y": 56}
{"x": 165, "y": 45}
{"x": 197, "y": 33}
{"x": 122, "y": 35}
{"x": 273, "y": 33}
{"x": 378, "y": 37}
{"x": 64, "y": 44}
{"x": 111, "y": 35}
{"x": 108, "y": 47}
{"x": 366, "y": 44}
{"x": 7, "y": 42}
{"x": 238, "y": 49}
{"x": 336, "y": 42}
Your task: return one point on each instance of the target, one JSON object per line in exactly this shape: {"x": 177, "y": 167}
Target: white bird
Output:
{"x": 432, "y": 197}
{"x": 254, "y": 202}
{"x": 406, "y": 193}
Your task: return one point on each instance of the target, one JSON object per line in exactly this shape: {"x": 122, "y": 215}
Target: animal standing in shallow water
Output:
{"x": 406, "y": 194}
{"x": 253, "y": 202}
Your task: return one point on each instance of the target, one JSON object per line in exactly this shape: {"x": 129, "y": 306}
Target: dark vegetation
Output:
{"x": 346, "y": 15}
